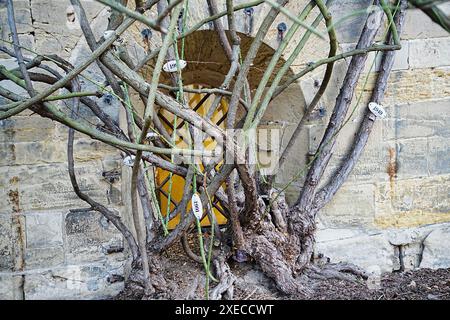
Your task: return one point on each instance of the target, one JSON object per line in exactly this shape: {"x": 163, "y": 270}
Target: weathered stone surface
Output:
{"x": 366, "y": 251}
{"x": 10, "y": 287}
{"x": 84, "y": 282}
{"x": 419, "y": 26}
{"x": 436, "y": 253}
{"x": 403, "y": 254}
{"x": 309, "y": 87}
{"x": 6, "y": 259}
{"x": 412, "y": 202}
{"x": 438, "y": 155}
{"x": 44, "y": 230}
{"x": 6, "y": 290}
{"x": 23, "y": 18}
{"x": 29, "y": 153}
{"x": 411, "y": 254}
{"x": 26, "y": 129}
{"x": 29, "y": 140}
{"x": 6, "y": 187}
{"x": 429, "y": 53}
{"x": 331, "y": 234}
{"x": 370, "y": 66}
{"x": 411, "y": 159}
{"x": 111, "y": 163}
{"x": 407, "y": 86}
{"x": 44, "y": 257}
{"x": 372, "y": 166}
{"x": 349, "y": 30}
{"x": 44, "y": 187}
{"x": 88, "y": 149}
{"x": 404, "y": 236}
{"x": 418, "y": 119}
{"x": 89, "y": 236}
{"x": 353, "y": 206}
{"x": 410, "y": 245}
{"x": 57, "y": 33}
{"x": 401, "y": 61}
{"x": 7, "y": 153}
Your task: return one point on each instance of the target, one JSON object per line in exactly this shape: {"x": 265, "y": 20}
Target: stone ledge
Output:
{"x": 86, "y": 281}
{"x": 388, "y": 250}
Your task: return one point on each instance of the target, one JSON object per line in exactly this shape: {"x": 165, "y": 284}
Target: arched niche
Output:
{"x": 207, "y": 66}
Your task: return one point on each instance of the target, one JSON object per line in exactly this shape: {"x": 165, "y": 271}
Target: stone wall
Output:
{"x": 50, "y": 245}
{"x": 392, "y": 214}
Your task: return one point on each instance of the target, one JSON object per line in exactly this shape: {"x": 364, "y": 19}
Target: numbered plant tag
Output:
{"x": 129, "y": 161}
{"x": 171, "y": 66}
{"x": 197, "y": 207}
{"x": 108, "y": 34}
{"x": 377, "y": 110}
{"x": 152, "y": 136}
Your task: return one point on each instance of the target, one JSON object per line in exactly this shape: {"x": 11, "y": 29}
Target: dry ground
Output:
{"x": 187, "y": 282}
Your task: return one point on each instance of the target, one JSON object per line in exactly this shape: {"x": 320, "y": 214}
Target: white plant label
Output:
{"x": 197, "y": 207}
{"x": 171, "y": 66}
{"x": 152, "y": 136}
{"x": 108, "y": 34}
{"x": 129, "y": 161}
{"x": 377, "y": 110}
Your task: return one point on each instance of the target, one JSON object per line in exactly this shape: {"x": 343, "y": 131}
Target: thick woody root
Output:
{"x": 272, "y": 247}
{"x": 135, "y": 281}
{"x": 284, "y": 256}
{"x": 224, "y": 289}
{"x": 221, "y": 270}
{"x": 313, "y": 276}
{"x": 338, "y": 271}
{"x": 273, "y": 262}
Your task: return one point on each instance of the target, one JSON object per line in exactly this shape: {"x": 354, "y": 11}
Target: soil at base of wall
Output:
{"x": 187, "y": 281}
{"x": 422, "y": 284}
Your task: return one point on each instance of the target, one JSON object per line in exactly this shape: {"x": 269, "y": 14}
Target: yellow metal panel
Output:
{"x": 162, "y": 176}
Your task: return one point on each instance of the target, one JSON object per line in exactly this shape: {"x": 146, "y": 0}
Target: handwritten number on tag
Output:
{"x": 171, "y": 66}
{"x": 377, "y": 110}
{"x": 197, "y": 207}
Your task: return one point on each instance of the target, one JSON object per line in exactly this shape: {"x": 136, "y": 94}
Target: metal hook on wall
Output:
{"x": 146, "y": 36}
{"x": 282, "y": 27}
{"x": 180, "y": 21}
{"x": 249, "y": 19}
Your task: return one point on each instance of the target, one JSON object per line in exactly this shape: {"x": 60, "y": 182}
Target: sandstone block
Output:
{"x": 366, "y": 251}
{"x": 10, "y": 287}
{"x": 89, "y": 237}
{"x": 44, "y": 229}
{"x": 417, "y": 119}
{"x": 438, "y": 155}
{"x": 436, "y": 253}
{"x": 429, "y": 53}
{"x": 6, "y": 258}
{"x": 84, "y": 282}
{"x": 411, "y": 158}
{"x": 419, "y": 26}
{"x": 43, "y": 187}
{"x": 37, "y": 258}
{"x": 353, "y": 206}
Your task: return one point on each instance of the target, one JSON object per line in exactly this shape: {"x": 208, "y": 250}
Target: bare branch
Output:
{"x": 366, "y": 126}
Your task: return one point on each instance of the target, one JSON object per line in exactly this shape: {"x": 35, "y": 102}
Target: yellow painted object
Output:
{"x": 201, "y": 104}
